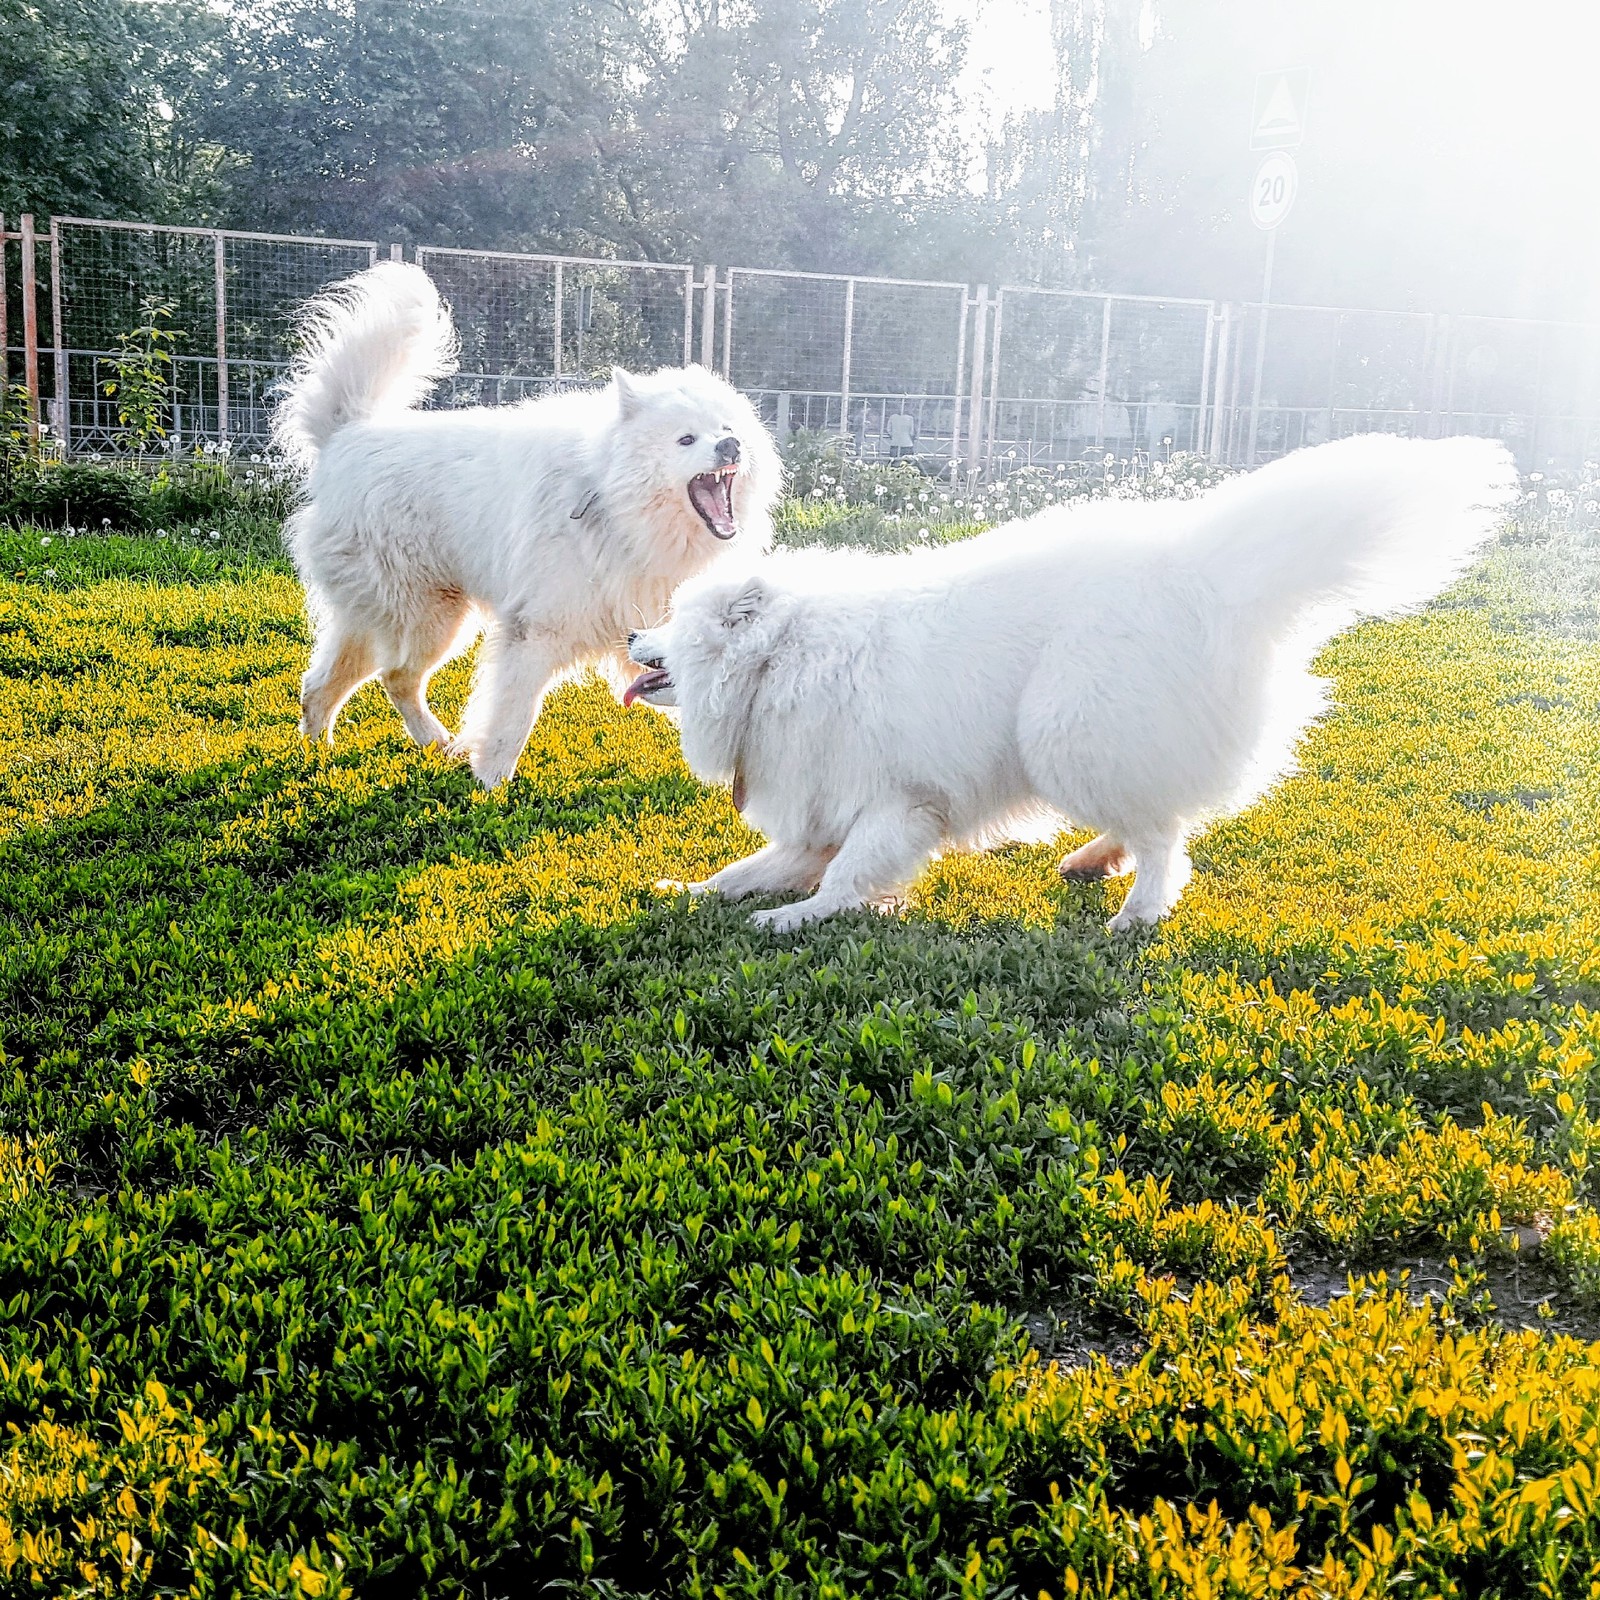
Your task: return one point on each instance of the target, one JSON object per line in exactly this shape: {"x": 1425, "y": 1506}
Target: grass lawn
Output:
{"x": 402, "y": 1197}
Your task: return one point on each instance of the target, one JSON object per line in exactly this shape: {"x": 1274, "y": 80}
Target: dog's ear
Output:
{"x": 745, "y": 605}
{"x": 628, "y": 396}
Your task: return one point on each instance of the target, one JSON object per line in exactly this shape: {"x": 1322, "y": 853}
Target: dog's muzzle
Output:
{"x": 653, "y": 685}
{"x": 711, "y": 493}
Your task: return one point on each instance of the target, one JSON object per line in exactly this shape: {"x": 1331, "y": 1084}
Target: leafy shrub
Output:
{"x": 79, "y": 495}
{"x": 142, "y": 377}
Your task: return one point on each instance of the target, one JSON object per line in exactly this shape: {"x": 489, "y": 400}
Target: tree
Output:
{"x": 72, "y": 112}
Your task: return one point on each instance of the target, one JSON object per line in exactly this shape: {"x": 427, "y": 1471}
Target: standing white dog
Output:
{"x": 1140, "y": 667}
{"x": 556, "y": 525}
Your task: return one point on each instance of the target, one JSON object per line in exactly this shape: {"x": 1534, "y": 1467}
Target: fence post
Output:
{"x": 980, "y": 328}
{"x": 1105, "y": 370}
{"x": 727, "y": 326}
{"x": 5, "y": 341}
{"x": 1219, "y": 380}
{"x": 30, "y": 324}
{"x": 220, "y": 259}
{"x": 997, "y": 315}
{"x": 708, "y": 319}
{"x": 1440, "y": 341}
{"x": 57, "y": 320}
{"x": 961, "y": 375}
{"x": 1203, "y": 416}
{"x": 556, "y": 356}
{"x": 844, "y": 377}
{"x": 397, "y": 252}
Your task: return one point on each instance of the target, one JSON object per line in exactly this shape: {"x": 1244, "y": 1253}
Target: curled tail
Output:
{"x": 1368, "y": 526}
{"x": 371, "y": 344}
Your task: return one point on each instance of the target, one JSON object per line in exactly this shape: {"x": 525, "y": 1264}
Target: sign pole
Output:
{"x": 1261, "y": 346}
{"x": 1277, "y": 123}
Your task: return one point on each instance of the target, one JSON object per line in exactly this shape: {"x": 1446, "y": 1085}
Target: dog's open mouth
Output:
{"x": 711, "y": 494}
{"x": 654, "y": 686}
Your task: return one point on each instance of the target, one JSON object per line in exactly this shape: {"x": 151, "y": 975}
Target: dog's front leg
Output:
{"x": 515, "y": 671}
{"x": 883, "y": 851}
{"x": 777, "y": 869}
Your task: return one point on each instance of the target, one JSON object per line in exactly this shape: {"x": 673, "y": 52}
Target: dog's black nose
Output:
{"x": 727, "y": 451}
{"x": 631, "y": 638}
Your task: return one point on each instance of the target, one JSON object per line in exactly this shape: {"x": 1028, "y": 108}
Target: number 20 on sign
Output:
{"x": 1273, "y": 190}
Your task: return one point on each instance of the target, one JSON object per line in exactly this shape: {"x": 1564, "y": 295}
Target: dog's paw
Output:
{"x": 784, "y": 919}
{"x": 1135, "y": 922}
{"x": 678, "y": 886}
{"x": 493, "y": 771}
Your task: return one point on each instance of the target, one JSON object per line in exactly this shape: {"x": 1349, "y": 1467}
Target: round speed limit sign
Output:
{"x": 1272, "y": 193}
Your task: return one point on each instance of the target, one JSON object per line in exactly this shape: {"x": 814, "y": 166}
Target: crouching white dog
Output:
{"x": 1140, "y": 667}
{"x": 556, "y": 526}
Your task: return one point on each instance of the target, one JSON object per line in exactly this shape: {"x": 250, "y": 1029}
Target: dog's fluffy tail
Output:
{"x": 1369, "y": 526}
{"x": 374, "y": 343}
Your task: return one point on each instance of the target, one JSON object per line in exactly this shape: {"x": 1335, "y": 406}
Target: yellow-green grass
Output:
{"x": 403, "y": 1196}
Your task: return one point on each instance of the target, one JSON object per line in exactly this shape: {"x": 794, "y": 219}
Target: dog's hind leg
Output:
{"x": 515, "y": 670}
{"x": 1103, "y": 857}
{"x": 882, "y": 851}
{"x": 341, "y": 661}
{"x": 411, "y": 659}
{"x": 777, "y": 869}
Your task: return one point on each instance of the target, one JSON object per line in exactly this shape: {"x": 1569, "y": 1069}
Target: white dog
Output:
{"x": 1136, "y": 666}
{"x": 557, "y": 525}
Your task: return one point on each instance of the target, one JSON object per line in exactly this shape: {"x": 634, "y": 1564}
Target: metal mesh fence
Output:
{"x": 228, "y": 299}
{"x": 1075, "y": 373}
{"x": 886, "y": 364}
{"x": 531, "y": 323}
{"x": 1326, "y": 373}
{"x": 1534, "y": 384}
{"x": 264, "y": 281}
{"x": 881, "y": 361}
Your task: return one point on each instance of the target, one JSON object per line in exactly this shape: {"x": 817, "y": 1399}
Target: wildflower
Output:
{"x": 215, "y": 534}
{"x": 49, "y": 572}
{"x": 105, "y": 522}
{"x": 44, "y": 541}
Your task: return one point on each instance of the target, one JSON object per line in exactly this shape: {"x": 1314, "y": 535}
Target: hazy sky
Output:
{"x": 1010, "y": 64}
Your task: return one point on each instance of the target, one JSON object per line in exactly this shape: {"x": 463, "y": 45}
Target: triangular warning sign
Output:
{"x": 1280, "y": 110}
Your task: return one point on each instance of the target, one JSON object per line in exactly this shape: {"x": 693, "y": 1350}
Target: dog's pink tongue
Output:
{"x": 644, "y": 683}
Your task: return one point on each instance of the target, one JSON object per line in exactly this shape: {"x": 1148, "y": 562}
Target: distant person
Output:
{"x": 1160, "y": 420}
{"x": 902, "y": 431}
{"x": 1116, "y": 432}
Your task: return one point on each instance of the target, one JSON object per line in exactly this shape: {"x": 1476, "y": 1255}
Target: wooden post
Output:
{"x": 5, "y": 356}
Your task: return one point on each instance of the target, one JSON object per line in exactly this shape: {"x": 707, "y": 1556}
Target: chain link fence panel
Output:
{"x": 880, "y": 361}
{"x": 1076, "y": 374}
{"x": 529, "y": 324}
{"x": 885, "y": 364}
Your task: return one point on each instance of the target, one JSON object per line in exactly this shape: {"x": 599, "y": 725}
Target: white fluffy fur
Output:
{"x": 555, "y": 526}
{"x": 1140, "y": 667}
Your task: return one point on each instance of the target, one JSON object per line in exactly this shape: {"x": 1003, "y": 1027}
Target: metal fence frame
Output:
{"x": 508, "y": 385}
{"x": 84, "y": 413}
{"x": 860, "y": 352}
{"x": 857, "y": 413}
{"x": 1096, "y": 407}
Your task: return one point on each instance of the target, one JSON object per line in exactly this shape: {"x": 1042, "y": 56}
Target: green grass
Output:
{"x": 402, "y": 1196}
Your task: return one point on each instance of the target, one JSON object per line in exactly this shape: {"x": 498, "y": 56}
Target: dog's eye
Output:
{"x": 688, "y": 438}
